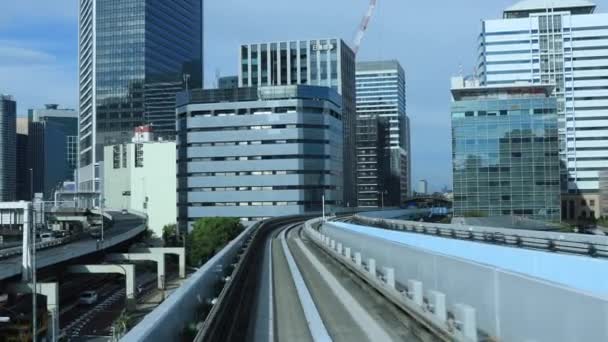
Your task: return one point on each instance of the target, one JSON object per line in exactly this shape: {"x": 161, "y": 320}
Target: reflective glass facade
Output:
{"x": 506, "y": 156}
{"x": 8, "y": 148}
{"x": 135, "y": 55}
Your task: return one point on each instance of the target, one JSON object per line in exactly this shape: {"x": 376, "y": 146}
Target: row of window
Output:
{"x": 271, "y": 157}
{"x": 258, "y": 173}
{"x": 255, "y": 127}
{"x": 256, "y": 204}
{"x": 263, "y": 188}
{"x": 260, "y": 142}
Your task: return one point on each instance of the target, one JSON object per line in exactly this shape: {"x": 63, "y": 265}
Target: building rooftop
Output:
{"x": 265, "y": 93}
{"x": 467, "y": 88}
{"x": 524, "y": 8}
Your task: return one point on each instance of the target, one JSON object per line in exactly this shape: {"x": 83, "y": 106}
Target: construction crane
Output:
{"x": 363, "y": 26}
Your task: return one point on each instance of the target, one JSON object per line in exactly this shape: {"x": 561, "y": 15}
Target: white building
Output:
{"x": 564, "y": 43}
{"x": 423, "y": 187}
{"x": 141, "y": 176}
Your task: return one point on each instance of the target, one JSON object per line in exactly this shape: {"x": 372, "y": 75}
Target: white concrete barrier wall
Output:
{"x": 508, "y": 306}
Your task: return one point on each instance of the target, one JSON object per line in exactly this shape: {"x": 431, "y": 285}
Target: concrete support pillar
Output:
{"x": 51, "y": 291}
{"x": 414, "y": 287}
{"x": 465, "y": 315}
{"x": 371, "y": 267}
{"x": 437, "y": 302}
{"x": 358, "y": 259}
{"x": 389, "y": 275}
{"x": 179, "y": 251}
{"x": 26, "y": 259}
{"x": 347, "y": 253}
{"x": 127, "y": 270}
{"x": 155, "y": 256}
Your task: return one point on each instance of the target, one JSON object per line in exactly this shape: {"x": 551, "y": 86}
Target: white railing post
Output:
{"x": 414, "y": 288}
{"x": 371, "y": 267}
{"x": 358, "y": 259}
{"x": 389, "y": 275}
{"x": 437, "y": 302}
{"x": 465, "y": 316}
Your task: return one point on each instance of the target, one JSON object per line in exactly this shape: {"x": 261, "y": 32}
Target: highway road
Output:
{"x": 123, "y": 223}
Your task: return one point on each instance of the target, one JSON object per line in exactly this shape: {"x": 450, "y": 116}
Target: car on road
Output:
{"x": 88, "y": 298}
{"x": 124, "y": 212}
{"x": 46, "y": 237}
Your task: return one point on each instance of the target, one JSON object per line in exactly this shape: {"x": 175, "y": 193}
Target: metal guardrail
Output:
{"x": 9, "y": 252}
{"x": 594, "y": 246}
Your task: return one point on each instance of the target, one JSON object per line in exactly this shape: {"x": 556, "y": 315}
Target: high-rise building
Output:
{"x": 258, "y": 152}
{"x": 423, "y": 187}
{"x": 320, "y": 62}
{"x": 52, "y": 147}
{"x": 23, "y": 174}
{"x": 566, "y": 44}
{"x": 505, "y": 150}
{"x": 228, "y": 82}
{"x": 134, "y": 56}
{"x": 8, "y": 148}
{"x": 383, "y": 149}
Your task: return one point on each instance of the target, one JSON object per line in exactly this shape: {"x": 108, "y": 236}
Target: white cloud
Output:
{"x": 19, "y": 53}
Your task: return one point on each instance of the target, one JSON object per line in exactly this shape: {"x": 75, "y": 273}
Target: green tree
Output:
{"x": 209, "y": 235}
{"x": 170, "y": 235}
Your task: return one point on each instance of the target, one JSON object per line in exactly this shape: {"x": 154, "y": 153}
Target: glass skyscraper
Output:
{"x": 135, "y": 55}
{"x": 52, "y": 147}
{"x": 563, "y": 43}
{"x": 8, "y": 148}
{"x": 505, "y": 151}
{"x": 383, "y": 149}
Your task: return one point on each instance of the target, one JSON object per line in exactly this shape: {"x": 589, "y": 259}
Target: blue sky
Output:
{"x": 431, "y": 39}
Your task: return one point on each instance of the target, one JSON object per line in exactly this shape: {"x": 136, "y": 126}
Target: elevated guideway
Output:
{"x": 516, "y": 294}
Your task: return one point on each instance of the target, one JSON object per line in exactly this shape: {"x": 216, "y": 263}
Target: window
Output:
{"x": 139, "y": 155}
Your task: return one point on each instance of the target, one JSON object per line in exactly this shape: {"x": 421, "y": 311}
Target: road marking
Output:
{"x": 270, "y": 296}
{"x": 317, "y": 329}
{"x": 367, "y": 323}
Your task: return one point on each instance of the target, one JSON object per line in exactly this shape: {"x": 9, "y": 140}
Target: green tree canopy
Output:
{"x": 209, "y": 235}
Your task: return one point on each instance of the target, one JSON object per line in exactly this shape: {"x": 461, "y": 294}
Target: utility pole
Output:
{"x": 101, "y": 200}
{"x": 33, "y": 260}
{"x": 323, "y": 205}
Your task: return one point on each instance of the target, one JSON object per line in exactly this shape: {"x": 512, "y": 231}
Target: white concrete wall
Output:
{"x": 116, "y": 181}
{"x": 157, "y": 181}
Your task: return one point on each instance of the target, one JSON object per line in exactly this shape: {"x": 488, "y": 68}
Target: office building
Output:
{"x": 505, "y": 151}
{"x": 320, "y": 62}
{"x": 52, "y": 147}
{"x": 382, "y": 148}
{"x": 564, "y": 43}
{"x": 423, "y": 187}
{"x": 228, "y": 82}
{"x": 134, "y": 55}
{"x": 140, "y": 176}
{"x": 8, "y": 148}
{"x": 258, "y": 152}
{"x": 23, "y": 174}
{"x": 604, "y": 193}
